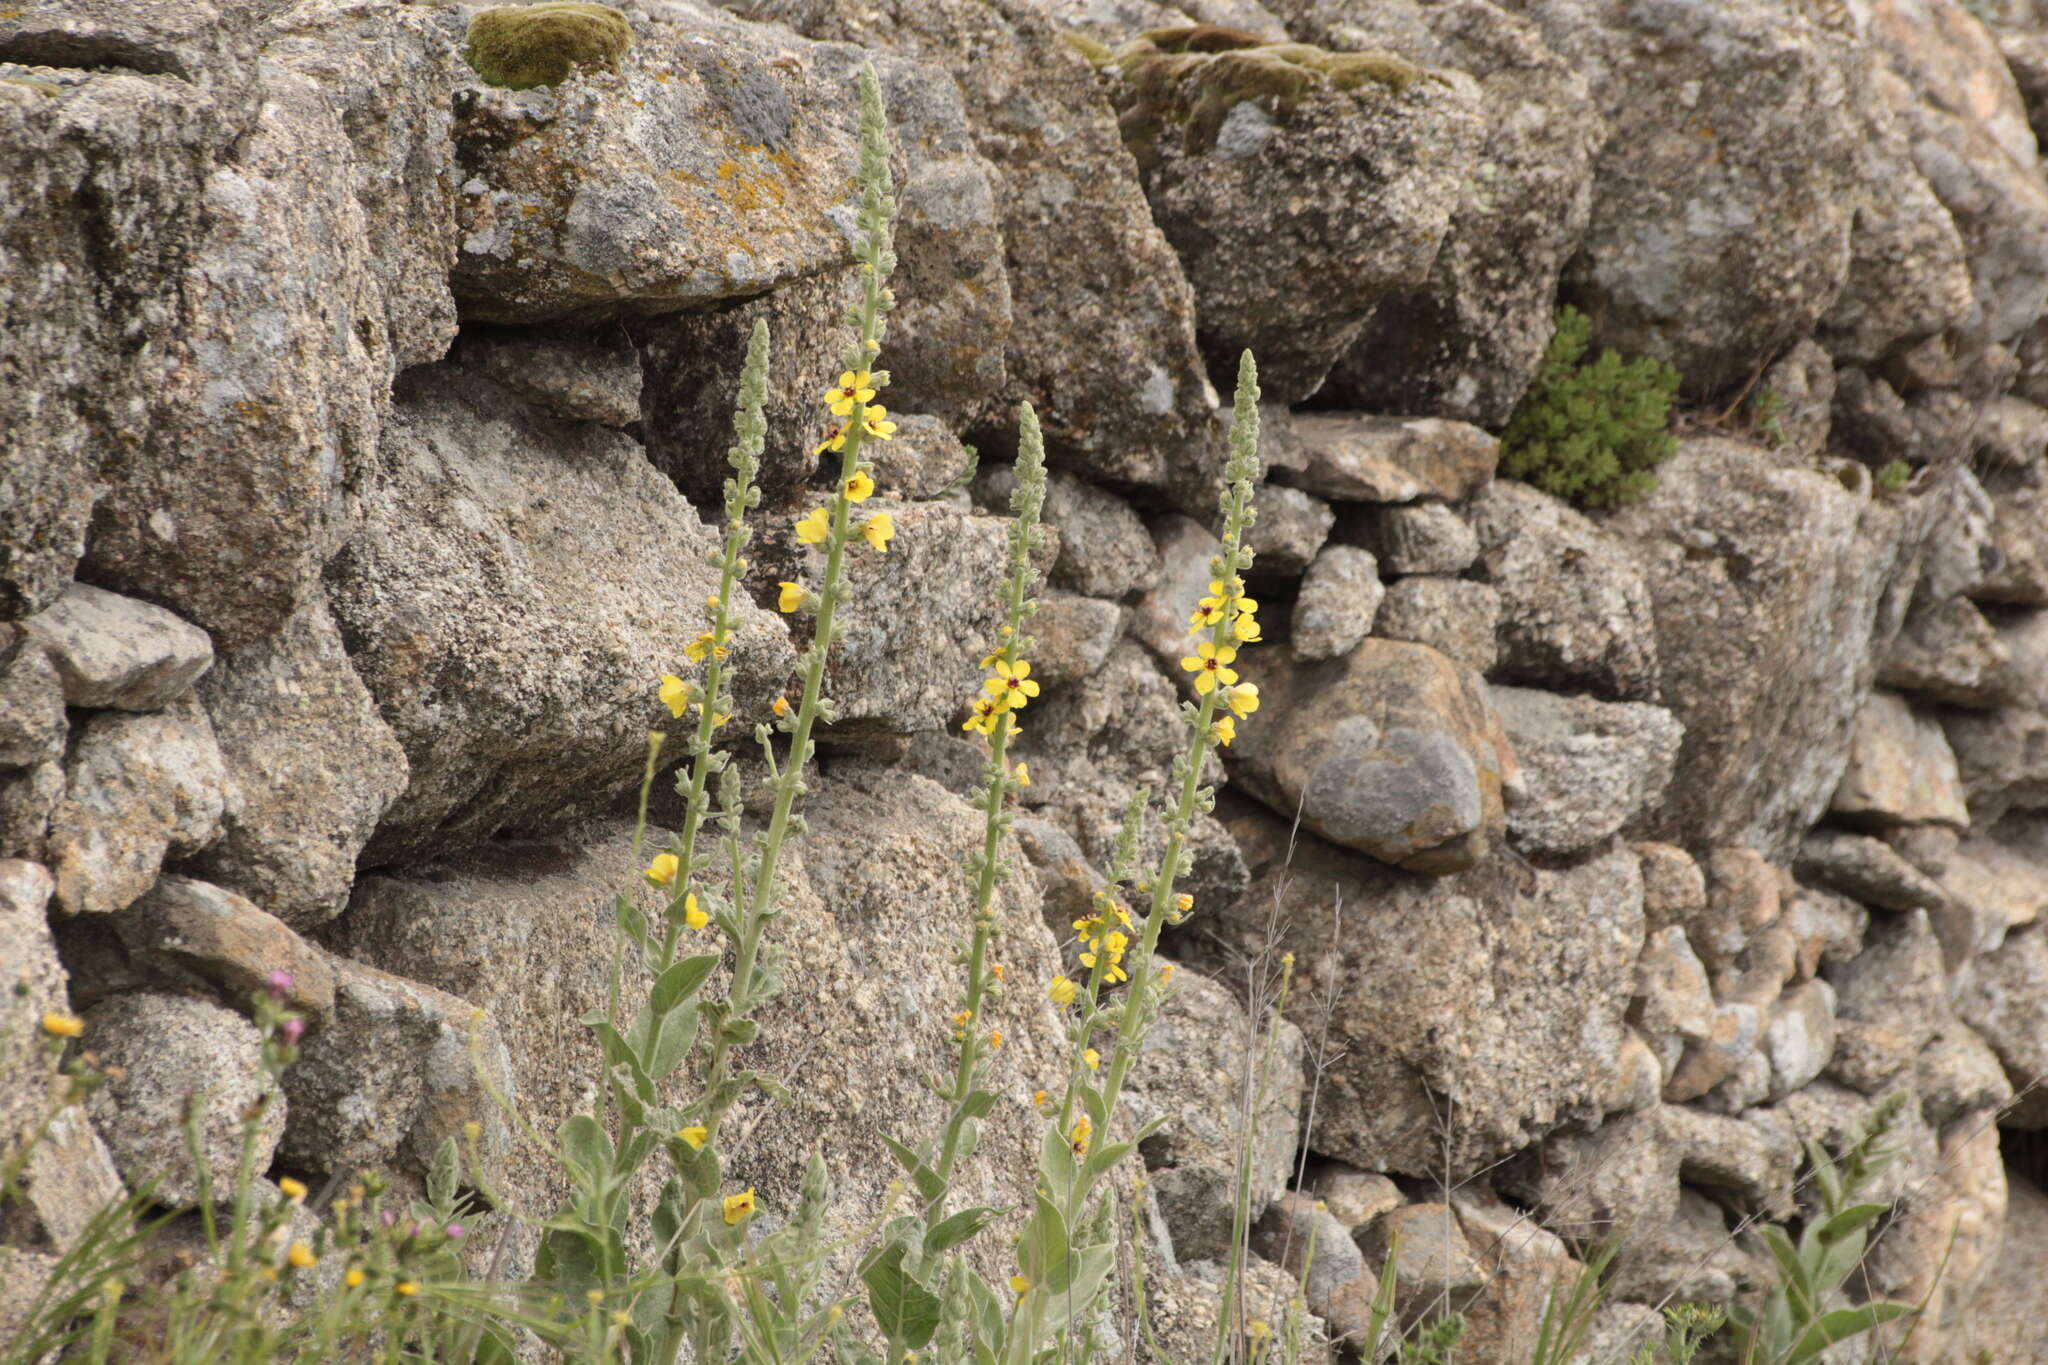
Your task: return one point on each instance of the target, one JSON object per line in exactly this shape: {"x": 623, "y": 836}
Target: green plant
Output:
{"x": 1891, "y": 480}
{"x": 1794, "y": 1323}
{"x": 1590, "y": 432}
{"x": 522, "y": 46}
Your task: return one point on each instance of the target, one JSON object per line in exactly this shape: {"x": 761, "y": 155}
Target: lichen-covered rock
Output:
{"x": 715, "y": 163}
{"x": 1769, "y": 132}
{"x": 2004, "y": 997}
{"x": 162, "y": 1053}
{"x": 32, "y": 720}
{"x": 1300, "y": 188}
{"x": 1103, "y": 337}
{"x": 1589, "y": 768}
{"x": 1770, "y": 587}
{"x": 1466, "y": 342}
{"x": 1456, "y": 617}
{"x": 116, "y": 652}
{"x": 489, "y": 520}
{"x": 1416, "y": 537}
{"x": 315, "y": 764}
{"x": 1337, "y": 603}
{"x": 1947, "y": 652}
{"x": 1514, "y": 1017}
{"x": 2002, "y": 757}
{"x": 1901, "y": 770}
{"x": 1355, "y": 457}
{"x": 1866, "y": 870}
{"x": 1291, "y": 528}
{"x": 1575, "y": 610}
{"x": 1392, "y": 749}
{"x": 1074, "y": 635}
{"x": 138, "y": 789}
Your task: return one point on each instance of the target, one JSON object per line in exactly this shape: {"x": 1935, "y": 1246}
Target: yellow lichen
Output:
{"x": 522, "y": 46}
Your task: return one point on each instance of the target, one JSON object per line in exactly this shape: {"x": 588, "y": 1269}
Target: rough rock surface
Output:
{"x": 113, "y": 651}
{"x": 1511, "y": 1021}
{"x": 1589, "y": 768}
{"x": 1339, "y": 599}
{"x": 491, "y": 515}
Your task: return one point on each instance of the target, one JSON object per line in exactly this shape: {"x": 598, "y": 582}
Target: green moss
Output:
{"x": 1591, "y": 432}
{"x": 522, "y": 46}
{"x": 1192, "y": 76}
{"x": 1893, "y": 478}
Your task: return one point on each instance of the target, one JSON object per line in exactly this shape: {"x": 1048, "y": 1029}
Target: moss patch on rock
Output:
{"x": 1193, "y": 75}
{"x": 522, "y": 46}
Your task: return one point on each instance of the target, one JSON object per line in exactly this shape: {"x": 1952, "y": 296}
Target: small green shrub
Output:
{"x": 1893, "y": 478}
{"x": 521, "y": 46}
{"x": 1591, "y": 432}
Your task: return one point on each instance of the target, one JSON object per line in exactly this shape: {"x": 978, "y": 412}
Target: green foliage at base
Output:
{"x": 522, "y": 46}
{"x": 1591, "y": 432}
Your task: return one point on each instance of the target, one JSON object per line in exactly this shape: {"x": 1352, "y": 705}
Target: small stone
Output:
{"x": 1729, "y": 1154}
{"x": 1866, "y": 870}
{"x": 1946, "y": 652}
{"x": 1588, "y": 767}
{"x": 1733, "y": 1032}
{"x": 1337, "y": 604}
{"x": 2003, "y": 758}
{"x": 1801, "y": 1038}
{"x": 1074, "y": 634}
{"x": 117, "y": 652}
{"x": 32, "y": 721}
{"x": 1291, "y": 528}
{"x": 1436, "y": 1269}
{"x": 1359, "y": 458}
{"x": 2005, "y": 999}
{"x": 1674, "y": 1002}
{"x": 1674, "y": 888}
{"x": 197, "y": 932}
{"x": 1637, "y": 1080}
{"x": 140, "y": 788}
{"x": 1901, "y": 770}
{"x": 1352, "y": 1196}
{"x": 161, "y": 1053}
{"x": 1297, "y": 1227}
{"x": 1105, "y": 550}
{"x": 925, "y": 460}
{"x": 1417, "y": 537}
{"x": 1453, "y": 616}
{"x": 26, "y": 799}
{"x": 1828, "y": 929}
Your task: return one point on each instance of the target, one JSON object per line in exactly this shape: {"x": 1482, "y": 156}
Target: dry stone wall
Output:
{"x": 358, "y": 421}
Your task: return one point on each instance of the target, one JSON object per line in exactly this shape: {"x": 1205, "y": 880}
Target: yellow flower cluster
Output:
{"x": 1225, "y": 606}
{"x": 1008, "y": 688}
{"x": 1103, "y": 940}
{"x": 848, "y": 400}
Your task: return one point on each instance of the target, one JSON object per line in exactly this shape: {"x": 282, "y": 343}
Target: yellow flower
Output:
{"x": 835, "y": 439}
{"x": 1183, "y": 902}
{"x": 738, "y": 1207}
{"x": 662, "y": 871}
{"x": 405, "y": 1289}
{"x": 1243, "y": 699}
{"x": 995, "y": 1038}
{"x": 300, "y": 1256}
{"x": 814, "y": 526}
{"x": 1038, "y": 1098}
{"x": 354, "y": 1278}
{"x": 593, "y": 1297}
{"x": 291, "y": 1189}
{"x": 1083, "y": 1129}
{"x": 62, "y": 1025}
{"x": 1224, "y": 730}
{"x": 963, "y": 1019}
{"x": 1210, "y": 666}
{"x": 780, "y": 706}
{"x": 789, "y": 599}
{"x": 707, "y": 643}
{"x": 875, "y": 421}
{"x": 1023, "y": 774}
{"x": 696, "y": 1135}
{"x": 1019, "y": 1285}
{"x": 1245, "y": 628}
{"x": 877, "y": 530}
{"x": 1012, "y": 685}
{"x": 852, "y": 388}
{"x": 1093, "y": 1059}
{"x": 997, "y": 970}
{"x": 675, "y": 695}
{"x": 1165, "y": 973}
{"x": 860, "y": 487}
{"x": 983, "y": 718}
{"x": 1062, "y": 990}
{"x": 693, "y": 915}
